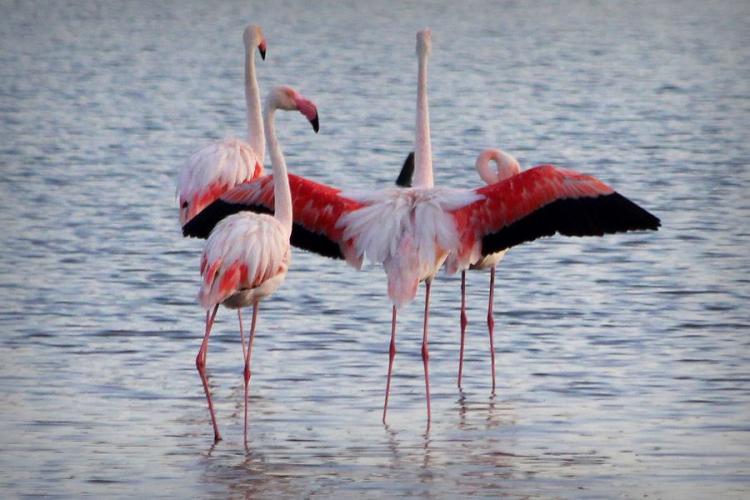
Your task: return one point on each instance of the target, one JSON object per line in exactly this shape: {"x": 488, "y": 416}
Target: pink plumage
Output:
{"x": 247, "y": 254}
{"x": 245, "y": 259}
{"x": 218, "y": 167}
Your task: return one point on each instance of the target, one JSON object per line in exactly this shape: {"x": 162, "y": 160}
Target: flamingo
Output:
{"x": 413, "y": 231}
{"x": 247, "y": 254}
{"x": 507, "y": 166}
{"x": 221, "y": 165}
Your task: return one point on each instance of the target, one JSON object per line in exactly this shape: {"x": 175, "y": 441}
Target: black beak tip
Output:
{"x": 315, "y": 124}
{"x": 262, "y": 53}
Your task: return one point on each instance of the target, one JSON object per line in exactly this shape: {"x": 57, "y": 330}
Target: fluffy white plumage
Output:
{"x": 245, "y": 259}
{"x": 409, "y": 231}
{"x": 211, "y": 171}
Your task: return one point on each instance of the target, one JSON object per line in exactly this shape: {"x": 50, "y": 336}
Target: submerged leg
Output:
{"x": 200, "y": 364}
{"x": 425, "y": 347}
{"x": 491, "y": 325}
{"x": 391, "y": 355}
{"x": 248, "y": 354}
{"x": 464, "y": 322}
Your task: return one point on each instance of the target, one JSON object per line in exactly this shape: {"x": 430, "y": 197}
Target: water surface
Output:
{"x": 623, "y": 362}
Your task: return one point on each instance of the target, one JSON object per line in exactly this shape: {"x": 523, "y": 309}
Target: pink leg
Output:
{"x": 391, "y": 355}
{"x": 491, "y": 325}
{"x": 248, "y": 354}
{"x": 425, "y": 347}
{"x": 242, "y": 334}
{"x": 464, "y": 322}
{"x": 200, "y": 364}
{"x": 205, "y": 351}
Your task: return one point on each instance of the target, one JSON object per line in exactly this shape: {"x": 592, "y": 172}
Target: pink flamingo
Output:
{"x": 221, "y": 165}
{"x": 507, "y": 167}
{"x": 412, "y": 231}
{"x": 247, "y": 254}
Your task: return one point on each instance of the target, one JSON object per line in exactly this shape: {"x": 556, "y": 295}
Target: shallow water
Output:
{"x": 623, "y": 362}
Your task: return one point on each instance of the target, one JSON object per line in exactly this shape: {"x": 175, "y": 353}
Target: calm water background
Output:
{"x": 623, "y": 362}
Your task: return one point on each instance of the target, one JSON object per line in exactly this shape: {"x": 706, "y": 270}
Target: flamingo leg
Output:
{"x": 242, "y": 334}
{"x": 391, "y": 356}
{"x": 491, "y": 325}
{"x": 200, "y": 364}
{"x": 464, "y": 322}
{"x": 425, "y": 347}
{"x": 205, "y": 351}
{"x": 248, "y": 354}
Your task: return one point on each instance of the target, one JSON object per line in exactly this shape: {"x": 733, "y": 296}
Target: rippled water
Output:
{"x": 623, "y": 362}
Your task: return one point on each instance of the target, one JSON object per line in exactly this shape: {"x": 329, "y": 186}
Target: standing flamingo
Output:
{"x": 221, "y": 165}
{"x": 412, "y": 231}
{"x": 507, "y": 167}
{"x": 247, "y": 254}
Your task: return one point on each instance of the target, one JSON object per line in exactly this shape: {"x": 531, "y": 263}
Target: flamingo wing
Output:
{"x": 539, "y": 202}
{"x": 316, "y": 208}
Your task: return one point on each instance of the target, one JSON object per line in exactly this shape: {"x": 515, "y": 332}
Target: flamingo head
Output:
{"x": 253, "y": 37}
{"x": 288, "y": 99}
{"x": 424, "y": 42}
{"x": 507, "y": 165}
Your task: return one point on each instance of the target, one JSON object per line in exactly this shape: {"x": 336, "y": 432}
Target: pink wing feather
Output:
{"x": 316, "y": 209}
{"x": 538, "y": 202}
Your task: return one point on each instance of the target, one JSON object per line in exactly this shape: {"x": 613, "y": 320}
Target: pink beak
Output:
{"x": 308, "y": 109}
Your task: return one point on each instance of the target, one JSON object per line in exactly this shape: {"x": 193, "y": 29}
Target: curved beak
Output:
{"x": 262, "y": 50}
{"x": 308, "y": 109}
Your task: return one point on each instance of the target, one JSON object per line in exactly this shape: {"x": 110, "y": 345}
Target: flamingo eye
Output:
{"x": 184, "y": 204}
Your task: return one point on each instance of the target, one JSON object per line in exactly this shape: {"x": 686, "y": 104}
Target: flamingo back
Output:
{"x": 242, "y": 252}
{"x": 213, "y": 170}
{"x": 409, "y": 231}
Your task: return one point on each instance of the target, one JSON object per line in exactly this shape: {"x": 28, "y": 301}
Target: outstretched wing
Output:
{"x": 316, "y": 208}
{"x": 542, "y": 201}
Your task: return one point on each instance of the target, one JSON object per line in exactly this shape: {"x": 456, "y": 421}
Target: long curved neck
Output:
{"x": 255, "y": 134}
{"x": 422, "y": 147}
{"x": 507, "y": 166}
{"x": 281, "y": 193}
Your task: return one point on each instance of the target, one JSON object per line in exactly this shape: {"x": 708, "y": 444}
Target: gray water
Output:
{"x": 623, "y": 362}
